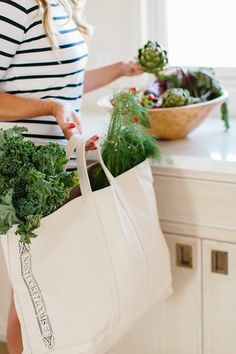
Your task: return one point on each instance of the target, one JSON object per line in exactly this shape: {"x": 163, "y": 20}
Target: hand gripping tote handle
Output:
{"x": 78, "y": 143}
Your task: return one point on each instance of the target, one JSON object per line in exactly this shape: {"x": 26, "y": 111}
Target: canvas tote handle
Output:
{"x": 78, "y": 143}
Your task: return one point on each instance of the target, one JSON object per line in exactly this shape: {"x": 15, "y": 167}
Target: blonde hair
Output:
{"x": 75, "y": 10}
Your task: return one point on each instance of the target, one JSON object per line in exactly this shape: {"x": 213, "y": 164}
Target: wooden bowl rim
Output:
{"x": 219, "y": 99}
{"x": 105, "y": 103}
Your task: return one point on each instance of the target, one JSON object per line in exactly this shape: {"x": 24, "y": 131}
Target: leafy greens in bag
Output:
{"x": 127, "y": 142}
{"x": 33, "y": 183}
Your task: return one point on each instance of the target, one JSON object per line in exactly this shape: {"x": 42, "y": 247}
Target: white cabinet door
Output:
{"x": 4, "y": 296}
{"x": 173, "y": 327}
{"x": 180, "y": 330}
{"x": 219, "y": 297}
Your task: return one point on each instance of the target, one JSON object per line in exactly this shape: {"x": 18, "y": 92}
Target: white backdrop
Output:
{"x": 121, "y": 27}
{"x": 119, "y": 32}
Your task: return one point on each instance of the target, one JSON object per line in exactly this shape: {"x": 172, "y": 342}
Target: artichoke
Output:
{"x": 152, "y": 57}
{"x": 176, "y": 97}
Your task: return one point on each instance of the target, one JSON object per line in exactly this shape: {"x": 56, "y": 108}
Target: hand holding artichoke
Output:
{"x": 152, "y": 57}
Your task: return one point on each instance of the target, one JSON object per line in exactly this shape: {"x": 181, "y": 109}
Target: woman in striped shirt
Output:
{"x": 43, "y": 56}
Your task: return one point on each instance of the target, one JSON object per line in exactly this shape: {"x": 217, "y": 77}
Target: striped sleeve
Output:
{"x": 13, "y": 18}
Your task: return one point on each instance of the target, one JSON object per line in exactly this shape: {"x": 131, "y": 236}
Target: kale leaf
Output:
{"x": 33, "y": 183}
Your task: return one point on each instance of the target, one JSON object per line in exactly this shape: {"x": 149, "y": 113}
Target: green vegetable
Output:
{"x": 152, "y": 57}
{"x": 225, "y": 115}
{"x": 176, "y": 97}
{"x": 49, "y": 159}
{"x": 7, "y": 212}
{"x": 33, "y": 183}
{"x": 200, "y": 82}
{"x": 207, "y": 87}
{"x": 127, "y": 143}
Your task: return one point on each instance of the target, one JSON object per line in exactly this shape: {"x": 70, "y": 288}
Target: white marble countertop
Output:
{"x": 207, "y": 149}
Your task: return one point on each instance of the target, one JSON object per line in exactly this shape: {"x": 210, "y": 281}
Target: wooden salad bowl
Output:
{"x": 177, "y": 122}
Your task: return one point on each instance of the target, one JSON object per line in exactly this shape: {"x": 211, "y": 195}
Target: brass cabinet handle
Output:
{"x": 219, "y": 262}
{"x": 184, "y": 255}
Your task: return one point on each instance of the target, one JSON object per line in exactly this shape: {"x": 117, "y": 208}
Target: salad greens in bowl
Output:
{"x": 179, "y": 98}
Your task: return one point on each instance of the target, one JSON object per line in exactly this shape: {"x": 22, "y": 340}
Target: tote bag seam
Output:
{"x": 141, "y": 245}
{"x": 112, "y": 303}
{"x": 108, "y": 291}
{"x": 113, "y": 271}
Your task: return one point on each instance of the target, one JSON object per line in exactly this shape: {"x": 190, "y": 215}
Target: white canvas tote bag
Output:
{"x": 98, "y": 264}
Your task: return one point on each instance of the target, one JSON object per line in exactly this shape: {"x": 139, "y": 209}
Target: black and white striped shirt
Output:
{"x": 30, "y": 68}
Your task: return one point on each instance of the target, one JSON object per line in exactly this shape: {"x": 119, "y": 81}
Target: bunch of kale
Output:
{"x": 33, "y": 183}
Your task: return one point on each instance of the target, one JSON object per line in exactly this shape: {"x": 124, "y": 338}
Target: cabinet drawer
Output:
{"x": 207, "y": 204}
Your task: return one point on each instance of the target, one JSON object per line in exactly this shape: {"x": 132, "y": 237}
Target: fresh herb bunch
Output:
{"x": 152, "y": 57}
{"x": 33, "y": 183}
{"x": 127, "y": 142}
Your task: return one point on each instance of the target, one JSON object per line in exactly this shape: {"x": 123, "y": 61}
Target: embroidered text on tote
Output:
{"x": 36, "y": 296}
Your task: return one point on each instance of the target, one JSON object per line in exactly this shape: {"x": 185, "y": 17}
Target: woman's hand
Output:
{"x": 67, "y": 118}
{"x": 131, "y": 68}
{"x": 69, "y": 122}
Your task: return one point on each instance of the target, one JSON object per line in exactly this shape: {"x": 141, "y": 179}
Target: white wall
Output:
{"x": 118, "y": 35}
{"x": 121, "y": 27}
